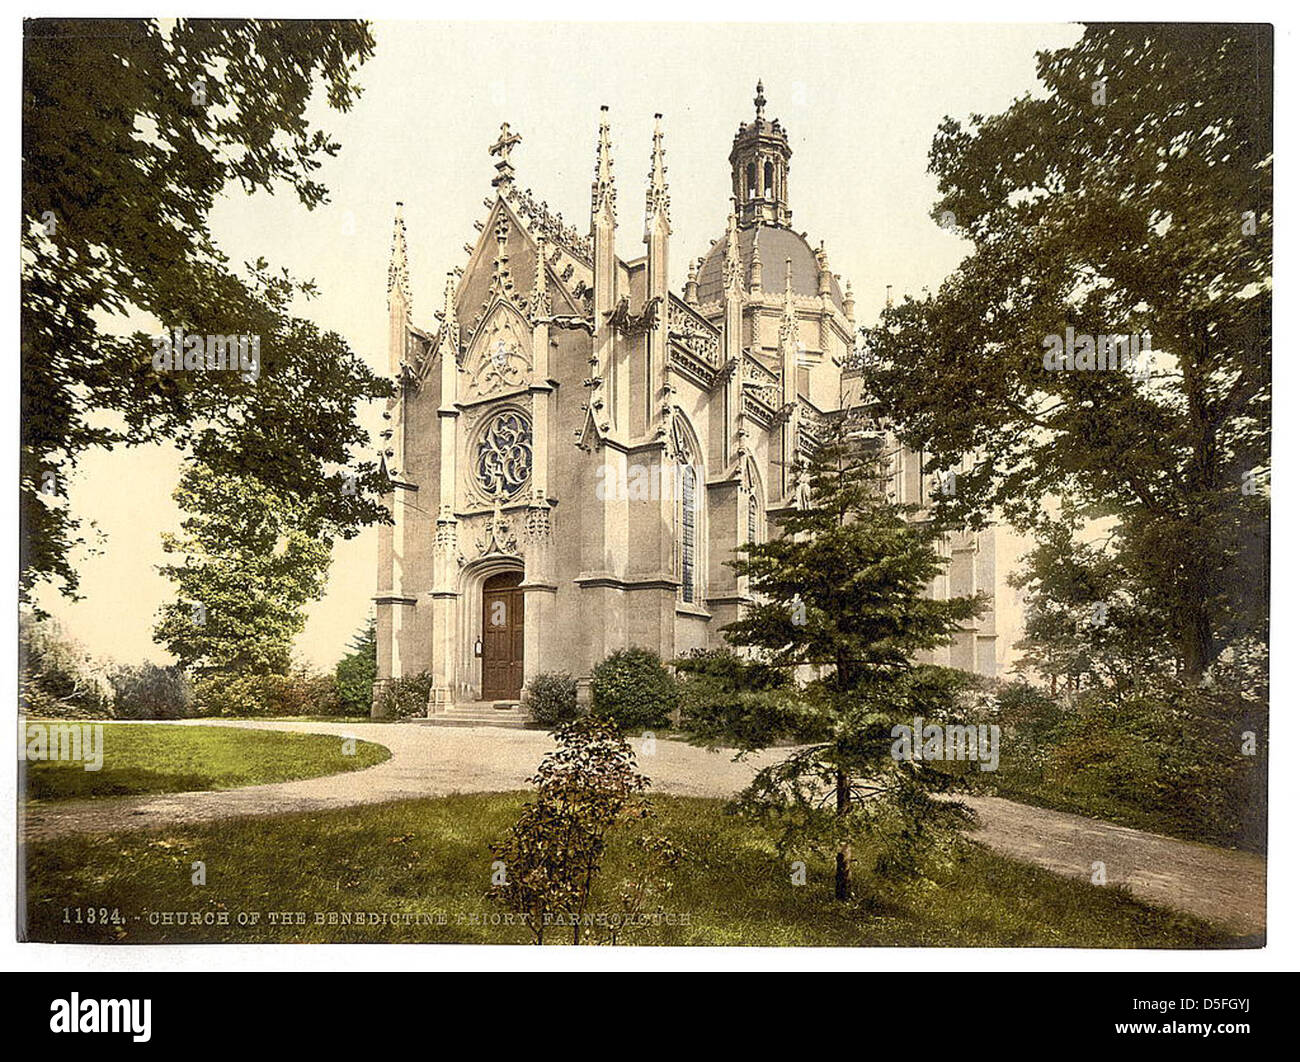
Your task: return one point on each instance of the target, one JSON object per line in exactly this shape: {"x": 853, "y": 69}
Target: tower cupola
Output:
{"x": 760, "y": 163}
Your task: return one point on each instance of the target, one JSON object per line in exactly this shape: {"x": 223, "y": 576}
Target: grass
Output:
{"x": 143, "y": 758}
{"x": 430, "y": 859}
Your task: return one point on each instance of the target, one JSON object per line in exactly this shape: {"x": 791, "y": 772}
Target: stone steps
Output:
{"x": 481, "y": 713}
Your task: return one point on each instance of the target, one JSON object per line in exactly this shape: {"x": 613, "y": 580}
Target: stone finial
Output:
{"x": 756, "y": 270}
{"x": 693, "y": 282}
{"x": 656, "y": 197}
{"x": 732, "y": 281}
{"x": 603, "y": 197}
{"x": 760, "y": 101}
{"x": 539, "y": 300}
{"x": 450, "y": 341}
{"x": 399, "y": 278}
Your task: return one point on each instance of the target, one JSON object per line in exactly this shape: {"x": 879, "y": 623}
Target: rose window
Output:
{"x": 505, "y": 454}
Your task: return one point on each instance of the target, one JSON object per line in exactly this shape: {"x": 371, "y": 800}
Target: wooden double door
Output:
{"x": 503, "y": 637}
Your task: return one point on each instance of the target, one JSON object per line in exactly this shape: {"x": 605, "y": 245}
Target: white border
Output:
{"x": 1283, "y": 950}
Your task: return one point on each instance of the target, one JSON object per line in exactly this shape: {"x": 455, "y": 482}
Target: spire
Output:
{"x": 693, "y": 282}
{"x": 789, "y": 321}
{"x": 450, "y": 338}
{"x": 602, "y": 188}
{"x": 539, "y": 301}
{"x": 732, "y": 281}
{"x": 756, "y": 270}
{"x": 849, "y": 305}
{"x": 656, "y": 197}
{"x": 504, "y": 145}
{"x": 399, "y": 278}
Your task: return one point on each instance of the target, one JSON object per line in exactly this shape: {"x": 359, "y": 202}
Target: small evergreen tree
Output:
{"x": 840, "y": 602}
{"x": 355, "y": 673}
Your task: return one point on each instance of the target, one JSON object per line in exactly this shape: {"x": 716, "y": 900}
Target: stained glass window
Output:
{"x": 688, "y": 533}
{"x": 505, "y": 454}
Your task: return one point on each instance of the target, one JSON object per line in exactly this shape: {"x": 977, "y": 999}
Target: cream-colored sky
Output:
{"x": 861, "y": 103}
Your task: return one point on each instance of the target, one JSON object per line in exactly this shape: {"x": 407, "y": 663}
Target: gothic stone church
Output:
{"x": 576, "y": 450}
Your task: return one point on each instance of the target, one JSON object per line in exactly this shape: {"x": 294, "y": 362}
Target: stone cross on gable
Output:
{"x": 504, "y": 145}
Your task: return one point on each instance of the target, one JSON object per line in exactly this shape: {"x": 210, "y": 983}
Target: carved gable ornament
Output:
{"x": 500, "y": 357}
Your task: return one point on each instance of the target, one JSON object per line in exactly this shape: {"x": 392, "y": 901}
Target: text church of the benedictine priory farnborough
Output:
{"x": 576, "y": 451}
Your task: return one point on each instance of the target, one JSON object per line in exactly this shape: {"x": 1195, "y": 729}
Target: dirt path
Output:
{"x": 1212, "y": 883}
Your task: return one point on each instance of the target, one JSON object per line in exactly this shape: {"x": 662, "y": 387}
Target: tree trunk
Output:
{"x": 1195, "y": 640}
{"x": 844, "y": 857}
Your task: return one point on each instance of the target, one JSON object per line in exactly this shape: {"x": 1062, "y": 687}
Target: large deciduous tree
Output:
{"x": 245, "y": 570}
{"x": 1133, "y": 196}
{"x": 131, "y": 128}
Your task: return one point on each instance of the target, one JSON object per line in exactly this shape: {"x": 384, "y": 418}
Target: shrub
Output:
{"x": 553, "y": 854}
{"x": 298, "y": 693}
{"x": 551, "y": 698}
{"x": 59, "y": 679}
{"x": 147, "y": 691}
{"x": 405, "y": 697}
{"x": 634, "y": 688}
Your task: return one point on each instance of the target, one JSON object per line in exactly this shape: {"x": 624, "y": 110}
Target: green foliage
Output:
{"x": 634, "y": 688}
{"x": 57, "y": 677}
{"x": 405, "y": 697}
{"x": 1087, "y": 620}
{"x": 247, "y": 570}
{"x": 297, "y": 693}
{"x": 1176, "y": 241}
{"x": 355, "y": 673}
{"x": 551, "y": 698}
{"x": 147, "y": 691}
{"x": 553, "y": 854}
{"x": 728, "y": 699}
{"x": 840, "y": 594}
{"x": 130, "y": 134}
{"x": 1168, "y": 757}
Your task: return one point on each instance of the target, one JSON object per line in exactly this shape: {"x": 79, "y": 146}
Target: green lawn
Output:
{"x": 430, "y": 858}
{"x": 144, "y": 758}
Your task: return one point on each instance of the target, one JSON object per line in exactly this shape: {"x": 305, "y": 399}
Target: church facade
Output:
{"x": 576, "y": 450}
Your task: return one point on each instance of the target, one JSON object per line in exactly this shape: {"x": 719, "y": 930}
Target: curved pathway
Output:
{"x": 1212, "y": 883}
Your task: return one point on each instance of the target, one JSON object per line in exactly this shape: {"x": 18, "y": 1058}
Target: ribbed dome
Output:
{"x": 775, "y": 245}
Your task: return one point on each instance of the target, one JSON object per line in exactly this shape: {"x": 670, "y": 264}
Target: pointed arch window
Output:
{"x": 690, "y": 534}
{"x": 768, "y": 186}
{"x": 752, "y": 176}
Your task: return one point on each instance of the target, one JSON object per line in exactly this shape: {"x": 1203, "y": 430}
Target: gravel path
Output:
{"x": 1212, "y": 883}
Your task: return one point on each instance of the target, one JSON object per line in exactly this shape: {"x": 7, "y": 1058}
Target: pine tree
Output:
{"x": 840, "y": 603}
{"x": 355, "y": 672}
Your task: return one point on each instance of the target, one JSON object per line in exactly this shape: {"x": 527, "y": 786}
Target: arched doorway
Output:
{"x": 503, "y": 637}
